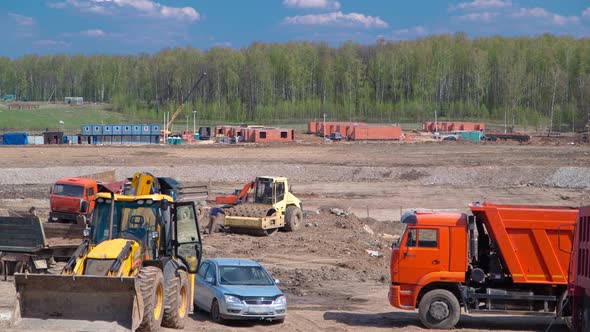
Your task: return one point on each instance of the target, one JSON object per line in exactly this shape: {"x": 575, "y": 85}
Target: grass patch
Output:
{"x": 48, "y": 116}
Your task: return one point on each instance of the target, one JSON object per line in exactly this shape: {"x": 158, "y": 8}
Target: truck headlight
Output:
{"x": 282, "y": 300}
{"x": 232, "y": 299}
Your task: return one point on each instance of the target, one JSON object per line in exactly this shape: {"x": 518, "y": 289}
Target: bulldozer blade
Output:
{"x": 80, "y": 303}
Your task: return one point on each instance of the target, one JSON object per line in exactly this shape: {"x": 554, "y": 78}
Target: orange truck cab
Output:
{"x": 510, "y": 259}
{"x": 71, "y": 197}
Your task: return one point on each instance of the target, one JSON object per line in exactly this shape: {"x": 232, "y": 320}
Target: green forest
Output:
{"x": 532, "y": 82}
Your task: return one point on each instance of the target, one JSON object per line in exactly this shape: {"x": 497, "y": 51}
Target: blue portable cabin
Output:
{"x": 97, "y": 130}
{"x": 86, "y": 130}
{"x": 107, "y": 130}
{"x": 136, "y": 129}
{"x": 15, "y": 139}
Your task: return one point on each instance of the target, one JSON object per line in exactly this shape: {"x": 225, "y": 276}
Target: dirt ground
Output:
{"x": 332, "y": 283}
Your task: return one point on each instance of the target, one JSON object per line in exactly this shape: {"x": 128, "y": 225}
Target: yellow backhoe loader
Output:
{"x": 134, "y": 270}
{"x": 274, "y": 207}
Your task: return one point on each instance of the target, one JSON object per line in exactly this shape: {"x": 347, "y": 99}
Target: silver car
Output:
{"x": 233, "y": 288}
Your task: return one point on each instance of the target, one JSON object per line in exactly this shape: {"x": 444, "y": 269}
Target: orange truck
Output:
{"x": 501, "y": 259}
{"x": 73, "y": 197}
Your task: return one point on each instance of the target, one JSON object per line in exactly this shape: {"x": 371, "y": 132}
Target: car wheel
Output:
{"x": 215, "y": 314}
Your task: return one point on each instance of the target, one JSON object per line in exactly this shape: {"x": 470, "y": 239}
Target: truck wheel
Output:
{"x": 151, "y": 285}
{"x": 293, "y": 218}
{"x": 177, "y": 301}
{"x": 439, "y": 309}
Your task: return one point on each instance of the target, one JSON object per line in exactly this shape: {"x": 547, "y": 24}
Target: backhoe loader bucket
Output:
{"x": 81, "y": 303}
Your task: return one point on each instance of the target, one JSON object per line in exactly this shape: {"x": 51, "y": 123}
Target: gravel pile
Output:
{"x": 560, "y": 177}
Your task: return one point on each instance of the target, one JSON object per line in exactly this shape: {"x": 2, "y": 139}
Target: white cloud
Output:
{"x": 586, "y": 13}
{"x": 540, "y": 13}
{"x": 416, "y": 31}
{"x": 486, "y": 17}
{"x": 93, "y": 33}
{"x": 312, "y": 4}
{"x": 48, "y": 43}
{"x": 145, "y": 7}
{"x": 23, "y": 21}
{"x": 337, "y": 19}
{"x": 482, "y": 5}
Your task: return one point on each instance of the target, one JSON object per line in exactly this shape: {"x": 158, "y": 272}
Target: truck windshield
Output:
{"x": 68, "y": 190}
{"x": 397, "y": 242}
{"x": 131, "y": 220}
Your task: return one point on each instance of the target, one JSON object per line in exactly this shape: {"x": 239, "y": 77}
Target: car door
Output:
{"x": 209, "y": 286}
{"x": 200, "y": 285}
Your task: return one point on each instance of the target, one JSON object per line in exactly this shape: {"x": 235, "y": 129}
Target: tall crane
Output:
{"x": 181, "y": 107}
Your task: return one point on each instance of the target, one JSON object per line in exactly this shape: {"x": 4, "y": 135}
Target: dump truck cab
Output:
{"x": 422, "y": 255}
{"x": 510, "y": 259}
{"x": 71, "y": 197}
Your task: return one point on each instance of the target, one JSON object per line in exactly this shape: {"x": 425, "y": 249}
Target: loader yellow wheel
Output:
{"x": 177, "y": 301}
{"x": 151, "y": 284}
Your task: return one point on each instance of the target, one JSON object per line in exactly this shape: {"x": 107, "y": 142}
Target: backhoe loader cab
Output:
{"x": 135, "y": 271}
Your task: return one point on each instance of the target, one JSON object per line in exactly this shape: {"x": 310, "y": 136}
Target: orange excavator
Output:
{"x": 239, "y": 197}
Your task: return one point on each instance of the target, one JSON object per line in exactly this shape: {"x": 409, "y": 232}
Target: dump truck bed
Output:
{"x": 535, "y": 241}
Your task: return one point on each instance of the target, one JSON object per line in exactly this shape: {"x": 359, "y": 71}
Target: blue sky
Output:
{"x": 135, "y": 26}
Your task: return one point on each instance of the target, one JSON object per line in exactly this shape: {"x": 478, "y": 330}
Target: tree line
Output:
{"x": 538, "y": 82}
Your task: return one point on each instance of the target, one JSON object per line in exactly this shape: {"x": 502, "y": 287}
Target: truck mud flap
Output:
{"x": 81, "y": 303}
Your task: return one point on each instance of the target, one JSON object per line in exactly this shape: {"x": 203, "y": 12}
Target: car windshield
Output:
{"x": 244, "y": 276}
{"x": 68, "y": 190}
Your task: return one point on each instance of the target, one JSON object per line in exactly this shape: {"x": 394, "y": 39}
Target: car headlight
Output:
{"x": 281, "y": 300}
{"x": 232, "y": 299}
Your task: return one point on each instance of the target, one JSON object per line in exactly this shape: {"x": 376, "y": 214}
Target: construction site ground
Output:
{"x": 335, "y": 269}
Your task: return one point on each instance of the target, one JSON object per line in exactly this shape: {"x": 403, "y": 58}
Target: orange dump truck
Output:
{"x": 510, "y": 259}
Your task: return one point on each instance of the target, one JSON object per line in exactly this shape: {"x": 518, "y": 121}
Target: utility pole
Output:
{"x": 194, "y": 122}
{"x": 324, "y": 126}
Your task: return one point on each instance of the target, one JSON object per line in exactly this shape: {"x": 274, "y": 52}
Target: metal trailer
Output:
{"x": 24, "y": 247}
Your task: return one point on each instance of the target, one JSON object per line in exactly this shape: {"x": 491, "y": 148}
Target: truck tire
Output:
{"x": 293, "y": 218}
{"x": 177, "y": 301}
{"x": 439, "y": 309}
{"x": 151, "y": 285}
